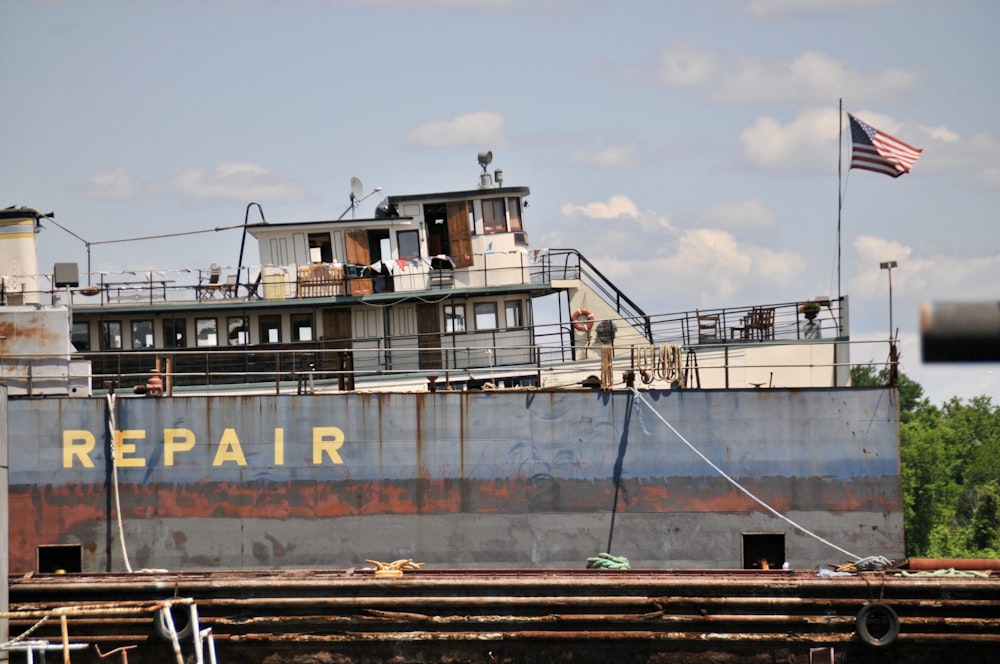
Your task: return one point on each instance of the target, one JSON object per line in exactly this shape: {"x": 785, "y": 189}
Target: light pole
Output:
{"x": 888, "y": 265}
{"x": 893, "y": 375}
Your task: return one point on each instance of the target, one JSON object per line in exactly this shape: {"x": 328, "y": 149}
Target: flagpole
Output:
{"x": 840, "y": 198}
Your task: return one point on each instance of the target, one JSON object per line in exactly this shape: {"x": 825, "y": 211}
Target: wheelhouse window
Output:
{"x": 486, "y": 315}
{"x": 111, "y": 335}
{"x": 239, "y": 332}
{"x": 81, "y": 335}
{"x": 454, "y": 318}
{"x": 270, "y": 329}
{"x": 207, "y": 332}
{"x": 320, "y": 248}
{"x": 409, "y": 244}
{"x": 302, "y": 327}
{"x": 175, "y": 333}
{"x": 514, "y": 213}
{"x": 512, "y": 314}
{"x": 494, "y": 216}
{"x": 142, "y": 334}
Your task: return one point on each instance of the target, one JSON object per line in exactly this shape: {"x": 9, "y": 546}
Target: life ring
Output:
{"x": 886, "y": 618}
{"x": 179, "y": 618}
{"x": 587, "y": 322}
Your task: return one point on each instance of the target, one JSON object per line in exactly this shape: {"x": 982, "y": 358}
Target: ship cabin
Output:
{"x": 432, "y": 283}
{"x": 434, "y": 291}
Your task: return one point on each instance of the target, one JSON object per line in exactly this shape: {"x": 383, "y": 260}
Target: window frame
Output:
{"x": 135, "y": 328}
{"x": 211, "y": 325}
{"x": 493, "y": 224}
{"x": 400, "y": 235}
{"x": 454, "y": 313}
{"x": 513, "y": 305}
{"x": 241, "y": 326}
{"x": 296, "y": 326}
{"x": 105, "y": 327}
{"x": 515, "y": 218}
{"x": 265, "y": 324}
{"x": 482, "y": 312}
{"x": 172, "y": 329}
{"x": 80, "y": 330}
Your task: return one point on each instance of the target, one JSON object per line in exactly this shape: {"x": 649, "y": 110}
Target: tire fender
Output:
{"x": 884, "y": 613}
{"x": 182, "y": 624}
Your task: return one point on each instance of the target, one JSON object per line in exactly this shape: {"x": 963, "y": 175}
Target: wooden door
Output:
{"x": 459, "y": 235}
{"x": 357, "y": 247}
{"x": 337, "y": 331}
{"x": 429, "y": 331}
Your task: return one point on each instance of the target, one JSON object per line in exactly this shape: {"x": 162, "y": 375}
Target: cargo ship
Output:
{"x": 424, "y": 384}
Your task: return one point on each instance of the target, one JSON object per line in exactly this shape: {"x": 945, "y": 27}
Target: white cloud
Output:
{"x": 618, "y": 205}
{"x": 924, "y": 273}
{"x": 111, "y": 185}
{"x": 807, "y": 143}
{"x": 673, "y": 269}
{"x": 468, "y": 130}
{"x": 810, "y": 78}
{"x": 240, "y": 181}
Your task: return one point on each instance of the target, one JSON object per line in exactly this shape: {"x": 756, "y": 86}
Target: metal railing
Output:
{"x": 523, "y": 352}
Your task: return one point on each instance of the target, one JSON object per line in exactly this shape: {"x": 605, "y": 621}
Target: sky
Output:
{"x": 689, "y": 149}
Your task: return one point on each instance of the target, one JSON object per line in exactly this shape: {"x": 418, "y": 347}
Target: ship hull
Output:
{"x": 506, "y": 478}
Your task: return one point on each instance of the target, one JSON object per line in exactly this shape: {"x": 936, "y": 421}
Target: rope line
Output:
{"x": 25, "y": 634}
{"x": 114, "y": 466}
{"x": 640, "y": 400}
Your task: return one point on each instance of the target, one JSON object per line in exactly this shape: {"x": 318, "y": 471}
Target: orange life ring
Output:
{"x": 584, "y": 325}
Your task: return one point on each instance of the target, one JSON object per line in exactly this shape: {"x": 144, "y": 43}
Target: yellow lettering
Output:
{"x": 125, "y": 449}
{"x": 279, "y": 447}
{"x": 78, "y": 443}
{"x": 174, "y": 441}
{"x": 229, "y": 449}
{"x": 329, "y": 440}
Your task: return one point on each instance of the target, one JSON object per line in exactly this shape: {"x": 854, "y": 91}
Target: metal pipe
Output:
{"x": 972, "y": 564}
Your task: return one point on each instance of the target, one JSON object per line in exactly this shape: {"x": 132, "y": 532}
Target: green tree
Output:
{"x": 950, "y": 465}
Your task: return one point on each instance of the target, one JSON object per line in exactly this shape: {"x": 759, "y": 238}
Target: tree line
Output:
{"x": 950, "y": 465}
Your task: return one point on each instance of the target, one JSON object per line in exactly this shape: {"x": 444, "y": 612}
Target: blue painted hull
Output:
{"x": 482, "y": 479}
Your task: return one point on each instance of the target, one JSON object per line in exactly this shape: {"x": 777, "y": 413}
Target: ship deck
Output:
{"x": 527, "y": 615}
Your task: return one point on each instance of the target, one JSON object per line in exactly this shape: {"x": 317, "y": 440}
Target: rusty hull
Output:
{"x": 510, "y": 478}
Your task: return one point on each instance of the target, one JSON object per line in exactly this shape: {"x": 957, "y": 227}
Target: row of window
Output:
{"x": 485, "y": 316}
{"x": 499, "y": 216}
{"x": 175, "y": 332}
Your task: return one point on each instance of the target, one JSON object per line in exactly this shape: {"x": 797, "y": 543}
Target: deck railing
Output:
{"x": 519, "y": 354}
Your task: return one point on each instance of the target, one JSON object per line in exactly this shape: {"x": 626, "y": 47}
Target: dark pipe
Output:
{"x": 243, "y": 242}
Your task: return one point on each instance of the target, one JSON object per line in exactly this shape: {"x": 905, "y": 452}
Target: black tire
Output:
{"x": 182, "y": 623}
{"x": 886, "y": 621}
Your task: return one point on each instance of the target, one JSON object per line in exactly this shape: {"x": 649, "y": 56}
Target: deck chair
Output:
{"x": 252, "y": 288}
{"x": 209, "y": 288}
{"x": 764, "y": 323}
{"x": 708, "y": 327}
{"x": 229, "y": 288}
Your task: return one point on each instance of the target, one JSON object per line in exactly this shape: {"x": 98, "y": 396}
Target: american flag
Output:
{"x": 876, "y": 151}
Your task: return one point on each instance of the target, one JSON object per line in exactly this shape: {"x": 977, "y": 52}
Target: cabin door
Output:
{"x": 337, "y": 328}
{"x": 459, "y": 234}
{"x": 429, "y": 334}
{"x": 357, "y": 247}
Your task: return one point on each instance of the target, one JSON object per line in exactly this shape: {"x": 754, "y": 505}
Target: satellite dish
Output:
{"x": 357, "y": 189}
{"x": 485, "y": 159}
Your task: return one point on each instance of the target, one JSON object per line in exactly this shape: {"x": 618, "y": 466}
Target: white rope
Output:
{"x": 639, "y": 399}
{"x": 114, "y": 466}
{"x": 25, "y": 634}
